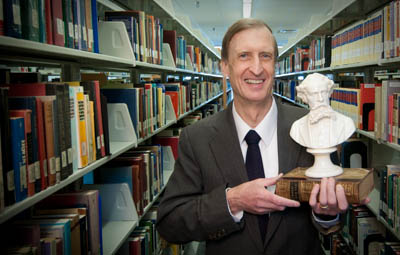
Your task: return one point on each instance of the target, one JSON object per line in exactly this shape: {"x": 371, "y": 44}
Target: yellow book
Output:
{"x": 83, "y": 148}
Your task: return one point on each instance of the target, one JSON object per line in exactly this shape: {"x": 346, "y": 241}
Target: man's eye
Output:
{"x": 243, "y": 55}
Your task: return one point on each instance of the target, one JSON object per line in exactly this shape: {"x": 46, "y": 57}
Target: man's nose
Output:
{"x": 256, "y": 66}
{"x": 320, "y": 96}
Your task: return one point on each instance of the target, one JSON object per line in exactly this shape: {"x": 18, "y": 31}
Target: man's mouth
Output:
{"x": 253, "y": 81}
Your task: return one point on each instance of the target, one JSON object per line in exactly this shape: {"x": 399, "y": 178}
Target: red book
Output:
{"x": 172, "y": 141}
{"x": 49, "y": 26}
{"x": 367, "y": 106}
{"x": 175, "y": 101}
{"x": 30, "y": 170}
{"x": 170, "y": 38}
{"x": 57, "y": 23}
{"x": 134, "y": 245}
{"x": 390, "y": 118}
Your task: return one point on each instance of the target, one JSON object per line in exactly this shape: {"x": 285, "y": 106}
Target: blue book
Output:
{"x": 76, "y": 24}
{"x": 19, "y": 103}
{"x": 12, "y": 18}
{"x": 18, "y": 157}
{"x": 68, "y": 23}
{"x": 82, "y": 16}
{"x": 42, "y": 22}
{"x": 95, "y": 27}
{"x": 116, "y": 174}
{"x": 127, "y": 96}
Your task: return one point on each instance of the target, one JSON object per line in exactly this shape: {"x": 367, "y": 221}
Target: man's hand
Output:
{"x": 332, "y": 199}
{"x": 253, "y": 197}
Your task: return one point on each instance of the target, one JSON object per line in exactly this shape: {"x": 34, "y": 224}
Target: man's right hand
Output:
{"x": 253, "y": 197}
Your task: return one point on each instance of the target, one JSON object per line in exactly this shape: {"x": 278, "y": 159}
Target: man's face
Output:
{"x": 317, "y": 95}
{"x": 250, "y": 65}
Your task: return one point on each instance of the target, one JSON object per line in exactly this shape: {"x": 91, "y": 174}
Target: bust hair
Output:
{"x": 311, "y": 79}
{"x": 238, "y": 26}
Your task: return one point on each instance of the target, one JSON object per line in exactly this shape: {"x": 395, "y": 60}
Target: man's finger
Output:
{"x": 273, "y": 180}
{"x": 331, "y": 192}
{"x": 323, "y": 200}
{"x": 341, "y": 198}
{"x": 313, "y": 195}
{"x": 282, "y": 201}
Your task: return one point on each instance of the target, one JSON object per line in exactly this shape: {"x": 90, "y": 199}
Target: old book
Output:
{"x": 357, "y": 183}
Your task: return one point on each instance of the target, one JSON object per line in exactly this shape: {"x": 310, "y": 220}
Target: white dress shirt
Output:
{"x": 267, "y": 130}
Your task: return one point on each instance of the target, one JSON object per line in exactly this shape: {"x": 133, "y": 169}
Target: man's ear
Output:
{"x": 225, "y": 68}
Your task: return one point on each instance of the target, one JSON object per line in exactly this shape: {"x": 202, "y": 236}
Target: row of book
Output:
{"x": 356, "y": 103}
{"x": 365, "y": 234}
{"x": 66, "y": 23}
{"x": 389, "y": 204}
{"x": 316, "y": 55}
{"x": 145, "y": 239}
{"x": 142, "y": 168}
{"x": 371, "y": 39}
{"x": 49, "y": 131}
{"x": 146, "y": 102}
{"x": 286, "y": 88}
{"x": 64, "y": 223}
{"x": 145, "y": 33}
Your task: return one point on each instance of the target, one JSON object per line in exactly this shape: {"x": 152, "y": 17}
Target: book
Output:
{"x": 42, "y": 21}
{"x": 1, "y": 19}
{"x": 92, "y": 88}
{"x": 20, "y": 103}
{"x": 57, "y": 23}
{"x": 367, "y": 106}
{"x": 30, "y": 164}
{"x": 48, "y": 114}
{"x": 30, "y": 20}
{"x": 68, "y": 23}
{"x": 88, "y": 199}
{"x": 89, "y": 26}
{"x": 172, "y": 141}
{"x": 95, "y": 27}
{"x": 104, "y": 113}
{"x": 82, "y": 212}
{"x": 8, "y": 172}
{"x": 48, "y": 21}
{"x": 169, "y": 37}
{"x": 12, "y": 18}
{"x": 357, "y": 183}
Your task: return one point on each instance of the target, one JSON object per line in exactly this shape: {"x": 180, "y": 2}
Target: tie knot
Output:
{"x": 252, "y": 137}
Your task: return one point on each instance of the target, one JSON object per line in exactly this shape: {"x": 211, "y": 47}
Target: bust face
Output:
{"x": 317, "y": 95}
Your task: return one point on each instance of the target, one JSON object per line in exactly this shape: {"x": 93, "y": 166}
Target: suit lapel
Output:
{"x": 227, "y": 152}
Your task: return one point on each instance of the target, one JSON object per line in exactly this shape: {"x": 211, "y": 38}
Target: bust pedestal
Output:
{"x": 323, "y": 166}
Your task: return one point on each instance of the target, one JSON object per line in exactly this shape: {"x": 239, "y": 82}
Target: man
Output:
{"x": 322, "y": 127}
{"x": 211, "y": 197}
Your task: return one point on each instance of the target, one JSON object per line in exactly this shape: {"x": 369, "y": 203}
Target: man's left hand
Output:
{"x": 332, "y": 199}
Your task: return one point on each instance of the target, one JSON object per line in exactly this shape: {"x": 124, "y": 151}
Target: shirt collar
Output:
{"x": 265, "y": 129}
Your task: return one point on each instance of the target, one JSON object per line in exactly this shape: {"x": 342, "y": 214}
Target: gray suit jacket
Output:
{"x": 194, "y": 205}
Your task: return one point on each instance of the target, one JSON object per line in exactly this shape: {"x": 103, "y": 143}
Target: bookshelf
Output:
{"x": 345, "y": 15}
{"x": 19, "y": 52}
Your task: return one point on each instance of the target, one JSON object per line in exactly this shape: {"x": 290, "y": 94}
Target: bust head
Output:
{"x": 315, "y": 90}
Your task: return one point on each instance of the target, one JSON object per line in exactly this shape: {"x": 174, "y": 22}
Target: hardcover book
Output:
{"x": 357, "y": 183}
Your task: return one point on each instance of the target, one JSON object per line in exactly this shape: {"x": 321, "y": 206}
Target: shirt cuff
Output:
{"x": 326, "y": 223}
{"x": 237, "y": 217}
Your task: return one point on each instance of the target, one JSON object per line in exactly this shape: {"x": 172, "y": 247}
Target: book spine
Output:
{"x": 49, "y": 24}
{"x": 82, "y": 130}
{"x": 49, "y": 137}
{"x": 67, "y": 127}
{"x": 18, "y": 157}
{"x": 41, "y": 144}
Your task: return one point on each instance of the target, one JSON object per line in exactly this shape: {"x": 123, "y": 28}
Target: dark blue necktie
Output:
{"x": 255, "y": 170}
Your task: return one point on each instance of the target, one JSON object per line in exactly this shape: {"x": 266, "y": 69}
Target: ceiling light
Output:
{"x": 247, "y": 8}
{"x": 283, "y": 31}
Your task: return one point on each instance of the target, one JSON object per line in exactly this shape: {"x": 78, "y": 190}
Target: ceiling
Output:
{"x": 215, "y": 16}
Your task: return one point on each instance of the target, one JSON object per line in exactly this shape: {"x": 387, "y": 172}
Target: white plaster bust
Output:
{"x": 322, "y": 127}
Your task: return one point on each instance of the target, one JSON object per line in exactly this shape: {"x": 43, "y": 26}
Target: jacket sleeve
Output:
{"x": 186, "y": 213}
